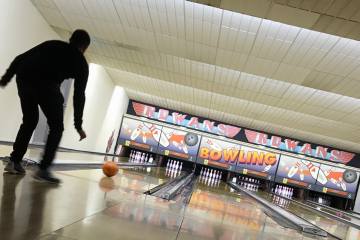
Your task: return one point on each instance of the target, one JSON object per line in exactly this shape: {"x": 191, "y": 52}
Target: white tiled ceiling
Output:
{"x": 224, "y": 65}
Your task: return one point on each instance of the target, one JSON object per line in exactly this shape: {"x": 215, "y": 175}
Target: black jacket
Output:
{"x": 50, "y": 63}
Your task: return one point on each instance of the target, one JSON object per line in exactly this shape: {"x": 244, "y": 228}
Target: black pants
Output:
{"x": 51, "y": 101}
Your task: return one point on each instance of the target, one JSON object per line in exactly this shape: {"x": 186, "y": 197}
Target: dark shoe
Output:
{"x": 46, "y": 176}
{"x": 15, "y": 168}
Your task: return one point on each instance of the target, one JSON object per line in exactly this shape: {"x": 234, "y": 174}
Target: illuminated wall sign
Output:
{"x": 256, "y": 162}
{"x": 184, "y": 120}
{"x": 179, "y": 144}
{"x": 218, "y": 153}
{"x": 297, "y": 172}
{"x": 298, "y": 147}
{"x": 244, "y": 135}
{"x": 337, "y": 181}
{"x": 139, "y": 134}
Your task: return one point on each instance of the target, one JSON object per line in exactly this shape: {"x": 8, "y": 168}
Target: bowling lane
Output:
{"x": 337, "y": 213}
{"x": 134, "y": 216}
{"x": 220, "y": 213}
{"x": 64, "y": 156}
{"x": 337, "y": 228}
{"x": 137, "y": 179}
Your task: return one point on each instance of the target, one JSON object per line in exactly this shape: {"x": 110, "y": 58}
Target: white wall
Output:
{"x": 105, "y": 105}
{"x": 21, "y": 28}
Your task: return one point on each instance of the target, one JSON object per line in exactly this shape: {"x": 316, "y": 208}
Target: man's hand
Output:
{"x": 82, "y": 134}
{"x": 2, "y": 84}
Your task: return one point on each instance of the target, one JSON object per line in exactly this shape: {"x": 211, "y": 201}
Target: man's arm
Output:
{"x": 14, "y": 66}
{"x": 79, "y": 95}
{"x": 11, "y": 71}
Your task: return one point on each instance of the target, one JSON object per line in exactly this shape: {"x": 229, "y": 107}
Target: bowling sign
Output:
{"x": 337, "y": 181}
{"x": 139, "y": 134}
{"x": 297, "y": 172}
{"x": 218, "y": 153}
{"x": 179, "y": 144}
{"x": 256, "y": 162}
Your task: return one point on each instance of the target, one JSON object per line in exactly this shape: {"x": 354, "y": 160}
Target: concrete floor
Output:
{"x": 89, "y": 206}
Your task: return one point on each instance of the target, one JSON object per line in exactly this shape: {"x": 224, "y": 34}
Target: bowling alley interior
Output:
{"x": 205, "y": 119}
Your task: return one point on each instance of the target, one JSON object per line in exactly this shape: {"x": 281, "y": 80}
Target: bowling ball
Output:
{"x": 107, "y": 184}
{"x": 349, "y": 176}
{"x": 110, "y": 169}
{"x": 191, "y": 139}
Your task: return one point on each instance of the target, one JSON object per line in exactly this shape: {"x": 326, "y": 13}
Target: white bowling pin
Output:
{"x": 211, "y": 173}
{"x": 313, "y": 169}
{"x": 267, "y": 168}
{"x": 144, "y": 137}
{"x": 214, "y": 145}
{"x": 151, "y": 159}
{"x": 164, "y": 140}
{"x": 301, "y": 175}
{"x": 142, "y": 158}
{"x": 153, "y": 130}
{"x": 136, "y": 132}
{"x": 180, "y": 168}
{"x": 343, "y": 185}
{"x": 184, "y": 148}
{"x": 322, "y": 177}
{"x": 293, "y": 170}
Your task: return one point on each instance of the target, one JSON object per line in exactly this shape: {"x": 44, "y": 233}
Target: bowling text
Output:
{"x": 234, "y": 156}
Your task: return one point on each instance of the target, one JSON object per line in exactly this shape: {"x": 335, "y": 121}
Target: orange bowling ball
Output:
{"x": 110, "y": 169}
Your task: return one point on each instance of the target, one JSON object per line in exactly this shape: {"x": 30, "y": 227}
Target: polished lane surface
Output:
{"x": 335, "y": 227}
{"x": 30, "y": 209}
{"x": 338, "y": 213}
{"x": 219, "y": 212}
{"x": 64, "y": 157}
{"x": 90, "y": 206}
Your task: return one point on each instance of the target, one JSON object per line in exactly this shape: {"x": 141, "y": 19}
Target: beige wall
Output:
{"x": 21, "y": 27}
{"x": 105, "y": 105}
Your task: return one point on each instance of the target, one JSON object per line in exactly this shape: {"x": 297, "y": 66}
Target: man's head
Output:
{"x": 80, "y": 39}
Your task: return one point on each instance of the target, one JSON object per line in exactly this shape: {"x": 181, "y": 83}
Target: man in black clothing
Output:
{"x": 39, "y": 74}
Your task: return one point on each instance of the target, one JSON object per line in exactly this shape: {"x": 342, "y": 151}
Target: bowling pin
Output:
{"x": 142, "y": 158}
{"x": 234, "y": 180}
{"x": 322, "y": 177}
{"x": 153, "y": 130}
{"x": 313, "y": 169}
{"x": 184, "y": 148}
{"x": 214, "y": 145}
{"x": 343, "y": 185}
{"x": 136, "y": 132}
{"x": 164, "y": 139}
{"x": 293, "y": 170}
{"x": 267, "y": 168}
{"x": 301, "y": 175}
{"x": 151, "y": 159}
{"x": 144, "y": 137}
{"x": 180, "y": 168}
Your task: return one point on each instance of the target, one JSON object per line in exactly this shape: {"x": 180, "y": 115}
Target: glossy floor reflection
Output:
{"x": 90, "y": 206}
{"x": 63, "y": 156}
